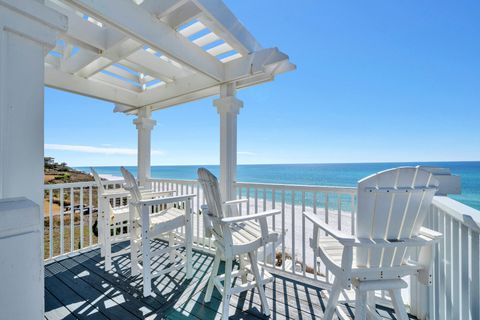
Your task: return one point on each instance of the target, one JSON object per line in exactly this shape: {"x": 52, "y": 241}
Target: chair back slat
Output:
{"x": 131, "y": 185}
{"x": 392, "y": 206}
{"x": 211, "y": 190}
{"x": 98, "y": 180}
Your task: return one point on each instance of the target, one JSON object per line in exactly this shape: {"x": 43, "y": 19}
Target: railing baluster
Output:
{"x": 50, "y": 225}
{"x": 72, "y": 220}
{"x": 304, "y": 260}
{"x": 464, "y": 273}
{"x": 90, "y": 214}
{"x": 283, "y": 230}
{"x": 62, "y": 222}
{"x": 294, "y": 257}
{"x": 475, "y": 277}
{"x": 315, "y": 257}
{"x": 273, "y": 228}
{"x": 81, "y": 217}
{"x": 339, "y": 211}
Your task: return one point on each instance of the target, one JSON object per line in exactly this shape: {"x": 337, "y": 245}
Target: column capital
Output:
{"x": 228, "y": 104}
{"x": 144, "y": 123}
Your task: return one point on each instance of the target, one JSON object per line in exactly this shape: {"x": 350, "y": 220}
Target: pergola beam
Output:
{"x": 140, "y": 25}
{"x": 245, "y": 68}
{"x": 60, "y": 80}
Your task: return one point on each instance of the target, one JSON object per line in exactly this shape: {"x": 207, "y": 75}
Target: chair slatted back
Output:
{"x": 98, "y": 180}
{"x": 392, "y": 205}
{"x": 131, "y": 185}
{"x": 211, "y": 191}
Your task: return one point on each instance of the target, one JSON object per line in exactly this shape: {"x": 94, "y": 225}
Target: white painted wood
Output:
{"x": 392, "y": 205}
{"x": 27, "y": 30}
{"x": 137, "y": 23}
{"x": 21, "y": 265}
{"x": 228, "y": 107}
{"x": 144, "y": 125}
{"x": 165, "y": 219}
{"x": 235, "y": 237}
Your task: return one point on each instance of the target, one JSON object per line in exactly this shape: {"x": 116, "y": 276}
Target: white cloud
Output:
{"x": 246, "y": 153}
{"x": 97, "y": 150}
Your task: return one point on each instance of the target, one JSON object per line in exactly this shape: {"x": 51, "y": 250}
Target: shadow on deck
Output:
{"x": 78, "y": 288}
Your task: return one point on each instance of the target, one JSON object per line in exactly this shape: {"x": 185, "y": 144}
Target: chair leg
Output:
{"x": 146, "y": 270}
{"x": 171, "y": 243}
{"x": 259, "y": 282}
{"x": 242, "y": 267}
{"x": 360, "y": 305}
{"x": 100, "y": 224}
{"x": 398, "y": 305}
{"x": 188, "y": 248}
{"x": 227, "y": 288}
{"x": 333, "y": 300}
{"x": 134, "y": 253}
{"x": 108, "y": 251}
{"x": 371, "y": 306}
{"x": 216, "y": 264}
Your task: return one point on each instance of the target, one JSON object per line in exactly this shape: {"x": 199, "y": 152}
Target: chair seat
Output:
{"x": 334, "y": 249}
{"x": 249, "y": 234}
{"x": 119, "y": 214}
{"x": 167, "y": 220}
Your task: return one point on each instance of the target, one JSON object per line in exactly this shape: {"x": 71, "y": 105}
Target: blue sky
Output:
{"x": 376, "y": 81}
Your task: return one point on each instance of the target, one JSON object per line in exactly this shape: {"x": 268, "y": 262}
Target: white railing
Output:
{"x": 456, "y": 287}
{"x": 67, "y": 230}
{"x": 456, "y": 283}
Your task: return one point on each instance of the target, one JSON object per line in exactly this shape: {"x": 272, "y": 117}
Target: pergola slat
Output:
{"x": 139, "y": 24}
{"x": 157, "y": 70}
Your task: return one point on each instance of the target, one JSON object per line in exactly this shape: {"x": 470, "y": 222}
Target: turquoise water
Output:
{"x": 320, "y": 174}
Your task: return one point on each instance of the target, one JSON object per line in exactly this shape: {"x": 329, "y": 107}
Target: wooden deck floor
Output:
{"x": 78, "y": 288}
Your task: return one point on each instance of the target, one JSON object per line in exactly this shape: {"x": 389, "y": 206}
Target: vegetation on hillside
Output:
{"x": 61, "y": 173}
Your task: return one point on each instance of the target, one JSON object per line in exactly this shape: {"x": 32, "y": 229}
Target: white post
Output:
{"x": 144, "y": 125}
{"x": 28, "y": 30}
{"x": 228, "y": 107}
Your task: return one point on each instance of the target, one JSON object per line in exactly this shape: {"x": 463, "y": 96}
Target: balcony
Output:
{"x": 77, "y": 284}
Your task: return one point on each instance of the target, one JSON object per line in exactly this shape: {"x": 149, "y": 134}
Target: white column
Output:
{"x": 228, "y": 107}
{"x": 144, "y": 125}
{"x": 28, "y": 30}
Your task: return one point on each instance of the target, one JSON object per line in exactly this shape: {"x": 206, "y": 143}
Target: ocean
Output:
{"x": 318, "y": 174}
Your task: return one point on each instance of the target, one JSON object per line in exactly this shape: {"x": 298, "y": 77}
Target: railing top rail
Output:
{"x": 79, "y": 184}
{"x": 298, "y": 187}
{"x": 467, "y": 215}
{"x": 172, "y": 180}
{"x": 307, "y": 188}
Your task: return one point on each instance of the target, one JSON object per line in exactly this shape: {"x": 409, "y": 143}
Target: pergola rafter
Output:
{"x": 115, "y": 45}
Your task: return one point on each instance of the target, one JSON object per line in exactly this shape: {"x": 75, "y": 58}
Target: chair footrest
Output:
{"x": 370, "y": 285}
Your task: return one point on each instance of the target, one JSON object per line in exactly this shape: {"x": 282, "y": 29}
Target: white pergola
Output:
{"x": 142, "y": 56}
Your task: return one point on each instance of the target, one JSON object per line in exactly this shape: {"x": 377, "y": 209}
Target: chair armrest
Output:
{"x": 343, "y": 238}
{"x": 429, "y": 233}
{"x": 149, "y": 193}
{"x": 234, "y": 202}
{"x": 254, "y": 216}
{"x": 401, "y": 243}
{"x": 157, "y": 201}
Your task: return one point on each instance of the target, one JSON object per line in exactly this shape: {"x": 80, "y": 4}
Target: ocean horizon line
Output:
{"x": 286, "y": 164}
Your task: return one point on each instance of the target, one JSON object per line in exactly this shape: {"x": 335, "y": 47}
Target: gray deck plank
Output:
{"x": 88, "y": 288}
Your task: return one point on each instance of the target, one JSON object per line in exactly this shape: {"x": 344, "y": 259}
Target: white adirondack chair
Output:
{"x": 113, "y": 220}
{"x": 110, "y": 220}
{"x": 145, "y": 226}
{"x": 235, "y": 237}
{"x": 392, "y": 206}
